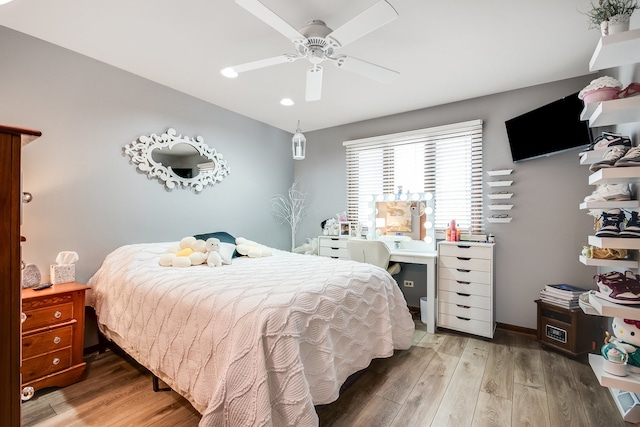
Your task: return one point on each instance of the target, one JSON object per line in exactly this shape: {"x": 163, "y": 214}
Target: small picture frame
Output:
{"x": 345, "y": 228}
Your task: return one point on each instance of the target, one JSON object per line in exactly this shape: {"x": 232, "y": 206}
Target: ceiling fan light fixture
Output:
{"x": 298, "y": 144}
{"x": 228, "y": 72}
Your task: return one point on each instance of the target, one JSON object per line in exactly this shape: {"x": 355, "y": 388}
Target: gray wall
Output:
{"x": 542, "y": 243}
{"x": 87, "y": 197}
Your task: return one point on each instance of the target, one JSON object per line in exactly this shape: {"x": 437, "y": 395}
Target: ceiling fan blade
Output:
{"x": 367, "y": 69}
{"x": 254, "y": 65}
{"x": 314, "y": 83}
{"x": 266, "y": 15}
{"x": 376, "y": 16}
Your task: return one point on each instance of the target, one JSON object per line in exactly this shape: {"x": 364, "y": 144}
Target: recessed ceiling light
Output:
{"x": 287, "y": 102}
{"x": 229, "y": 72}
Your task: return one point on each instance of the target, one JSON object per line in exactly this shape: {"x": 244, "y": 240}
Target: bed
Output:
{"x": 255, "y": 343}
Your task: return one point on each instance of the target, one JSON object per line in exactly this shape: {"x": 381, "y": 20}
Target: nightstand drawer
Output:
{"x": 464, "y": 312}
{"x": 334, "y": 252}
{"x": 332, "y": 242}
{"x": 45, "y": 342}
{"x": 472, "y": 288}
{"x": 466, "y": 251}
{"x": 465, "y": 263}
{"x": 45, "y": 364}
{"x": 471, "y": 326}
{"x": 465, "y": 300}
{"x": 465, "y": 275}
{"x": 47, "y": 316}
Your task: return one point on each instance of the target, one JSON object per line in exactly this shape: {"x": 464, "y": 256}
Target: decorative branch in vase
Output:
{"x": 290, "y": 209}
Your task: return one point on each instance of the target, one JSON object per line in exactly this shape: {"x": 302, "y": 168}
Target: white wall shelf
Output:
{"x": 499, "y": 183}
{"x": 592, "y": 156}
{"x": 628, "y": 204}
{"x": 499, "y": 220}
{"x": 501, "y": 172}
{"x": 615, "y": 242}
{"x": 612, "y": 112}
{"x": 613, "y": 263}
{"x": 611, "y": 309}
{"x": 500, "y": 195}
{"x": 500, "y": 207}
{"x": 614, "y": 175}
{"x": 615, "y": 50}
{"x": 629, "y": 383}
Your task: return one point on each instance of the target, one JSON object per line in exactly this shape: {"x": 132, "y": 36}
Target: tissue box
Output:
{"x": 62, "y": 273}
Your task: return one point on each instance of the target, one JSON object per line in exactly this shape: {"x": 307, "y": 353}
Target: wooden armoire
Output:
{"x": 12, "y": 140}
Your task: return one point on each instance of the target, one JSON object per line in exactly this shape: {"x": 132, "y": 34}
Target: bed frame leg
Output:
{"x": 156, "y": 384}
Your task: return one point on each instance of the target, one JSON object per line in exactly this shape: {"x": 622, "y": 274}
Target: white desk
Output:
{"x": 429, "y": 259}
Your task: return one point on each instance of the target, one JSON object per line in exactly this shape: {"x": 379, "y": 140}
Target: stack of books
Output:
{"x": 562, "y": 295}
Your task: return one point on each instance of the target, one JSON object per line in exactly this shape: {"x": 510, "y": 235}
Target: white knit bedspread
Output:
{"x": 255, "y": 343}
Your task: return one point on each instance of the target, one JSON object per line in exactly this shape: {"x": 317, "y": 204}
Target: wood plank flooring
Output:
{"x": 444, "y": 379}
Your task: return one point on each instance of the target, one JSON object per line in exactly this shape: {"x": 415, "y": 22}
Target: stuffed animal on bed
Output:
{"x": 251, "y": 249}
{"x": 627, "y": 335}
{"x": 191, "y": 251}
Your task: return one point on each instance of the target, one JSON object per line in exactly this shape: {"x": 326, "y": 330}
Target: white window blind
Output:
{"x": 443, "y": 160}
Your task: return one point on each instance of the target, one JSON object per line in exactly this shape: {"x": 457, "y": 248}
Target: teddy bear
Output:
{"x": 626, "y": 334}
{"x": 191, "y": 251}
{"x": 251, "y": 249}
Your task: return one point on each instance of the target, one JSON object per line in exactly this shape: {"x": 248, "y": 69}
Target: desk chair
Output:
{"x": 372, "y": 252}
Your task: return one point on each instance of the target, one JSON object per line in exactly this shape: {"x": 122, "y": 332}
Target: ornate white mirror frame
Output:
{"x": 141, "y": 151}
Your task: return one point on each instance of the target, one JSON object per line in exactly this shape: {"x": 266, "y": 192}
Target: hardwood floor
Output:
{"x": 445, "y": 379}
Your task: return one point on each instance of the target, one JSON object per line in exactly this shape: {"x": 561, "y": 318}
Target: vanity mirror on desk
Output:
{"x": 405, "y": 223}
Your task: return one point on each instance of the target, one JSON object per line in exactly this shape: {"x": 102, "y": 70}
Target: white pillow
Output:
{"x": 226, "y": 252}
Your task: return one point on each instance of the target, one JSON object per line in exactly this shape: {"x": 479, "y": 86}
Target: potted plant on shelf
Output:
{"x": 612, "y": 16}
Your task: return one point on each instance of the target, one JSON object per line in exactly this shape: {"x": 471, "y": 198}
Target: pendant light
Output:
{"x": 298, "y": 144}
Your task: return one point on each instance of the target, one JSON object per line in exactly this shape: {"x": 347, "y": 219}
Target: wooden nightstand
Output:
{"x": 52, "y": 337}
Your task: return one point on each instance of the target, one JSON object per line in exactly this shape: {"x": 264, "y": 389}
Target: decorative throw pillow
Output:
{"x": 223, "y": 236}
{"x": 227, "y": 251}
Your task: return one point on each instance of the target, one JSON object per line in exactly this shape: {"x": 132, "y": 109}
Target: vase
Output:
{"x": 618, "y": 24}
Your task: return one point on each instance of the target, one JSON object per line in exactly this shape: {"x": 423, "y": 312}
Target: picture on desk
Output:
{"x": 345, "y": 228}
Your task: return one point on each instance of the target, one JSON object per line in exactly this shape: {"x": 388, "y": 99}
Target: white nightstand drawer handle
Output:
{"x": 56, "y": 340}
{"x": 56, "y": 360}
{"x": 57, "y": 314}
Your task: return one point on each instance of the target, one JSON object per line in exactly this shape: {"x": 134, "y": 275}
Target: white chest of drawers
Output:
{"x": 333, "y": 246}
{"x": 465, "y": 287}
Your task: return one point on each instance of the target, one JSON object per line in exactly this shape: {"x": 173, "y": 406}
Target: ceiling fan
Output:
{"x": 317, "y": 43}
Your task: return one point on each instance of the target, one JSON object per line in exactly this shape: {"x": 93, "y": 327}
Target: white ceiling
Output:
{"x": 445, "y": 51}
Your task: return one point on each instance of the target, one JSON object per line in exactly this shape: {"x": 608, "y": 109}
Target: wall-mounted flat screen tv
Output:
{"x": 549, "y": 129}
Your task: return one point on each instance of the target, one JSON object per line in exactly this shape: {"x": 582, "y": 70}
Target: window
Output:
{"x": 444, "y": 160}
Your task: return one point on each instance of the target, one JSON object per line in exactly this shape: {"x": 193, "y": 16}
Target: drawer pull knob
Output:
{"x": 463, "y": 283}
{"x": 461, "y": 270}
{"x": 27, "y": 393}
{"x": 23, "y": 317}
{"x": 56, "y": 360}
{"x": 463, "y": 306}
{"x": 463, "y": 318}
{"x": 334, "y": 249}
{"x": 57, "y": 314}
{"x": 463, "y": 295}
{"x": 462, "y": 258}
{"x": 463, "y": 246}
{"x": 56, "y": 340}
